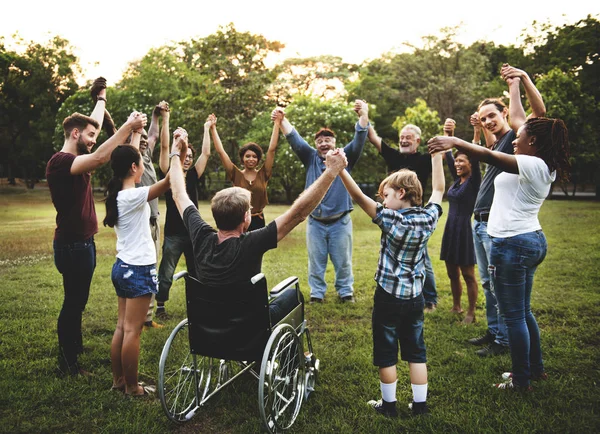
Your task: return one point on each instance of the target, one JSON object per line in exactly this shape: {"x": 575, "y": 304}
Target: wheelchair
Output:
{"x": 229, "y": 333}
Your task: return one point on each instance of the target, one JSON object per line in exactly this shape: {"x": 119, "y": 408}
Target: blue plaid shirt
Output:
{"x": 404, "y": 234}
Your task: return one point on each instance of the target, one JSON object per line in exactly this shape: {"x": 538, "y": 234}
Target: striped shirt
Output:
{"x": 404, "y": 234}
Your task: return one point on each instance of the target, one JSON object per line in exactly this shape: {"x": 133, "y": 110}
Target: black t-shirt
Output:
{"x": 173, "y": 223}
{"x": 419, "y": 163}
{"x": 233, "y": 261}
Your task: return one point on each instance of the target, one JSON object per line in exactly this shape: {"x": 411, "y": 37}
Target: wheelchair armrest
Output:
{"x": 283, "y": 285}
{"x": 179, "y": 275}
{"x": 257, "y": 278}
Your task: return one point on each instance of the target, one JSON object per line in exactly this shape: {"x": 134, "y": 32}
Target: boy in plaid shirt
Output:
{"x": 398, "y": 302}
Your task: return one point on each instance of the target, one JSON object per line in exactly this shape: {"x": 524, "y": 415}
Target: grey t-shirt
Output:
{"x": 149, "y": 178}
{"x": 486, "y": 191}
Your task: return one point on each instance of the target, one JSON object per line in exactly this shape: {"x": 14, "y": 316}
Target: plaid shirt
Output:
{"x": 404, "y": 234}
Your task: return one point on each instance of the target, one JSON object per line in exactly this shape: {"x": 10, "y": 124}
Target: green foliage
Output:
{"x": 34, "y": 81}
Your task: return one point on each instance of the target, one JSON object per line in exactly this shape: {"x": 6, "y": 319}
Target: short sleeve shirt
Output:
{"x": 404, "y": 234}
{"x": 134, "y": 239}
{"x": 234, "y": 260}
{"x": 72, "y": 198}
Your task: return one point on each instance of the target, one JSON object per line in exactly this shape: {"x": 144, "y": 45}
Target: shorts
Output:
{"x": 133, "y": 281}
{"x": 394, "y": 322}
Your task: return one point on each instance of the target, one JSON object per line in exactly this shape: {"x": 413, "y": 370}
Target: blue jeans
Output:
{"x": 429, "y": 291}
{"x": 173, "y": 247}
{"x": 76, "y": 262}
{"x": 513, "y": 262}
{"x": 335, "y": 241}
{"x": 483, "y": 247}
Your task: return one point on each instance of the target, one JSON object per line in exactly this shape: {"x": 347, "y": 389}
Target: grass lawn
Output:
{"x": 566, "y": 302}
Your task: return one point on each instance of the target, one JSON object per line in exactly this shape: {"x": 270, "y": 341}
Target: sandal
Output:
{"x": 147, "y": 391}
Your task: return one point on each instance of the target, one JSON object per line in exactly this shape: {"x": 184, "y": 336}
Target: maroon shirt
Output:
{"x": 72, "y": 197}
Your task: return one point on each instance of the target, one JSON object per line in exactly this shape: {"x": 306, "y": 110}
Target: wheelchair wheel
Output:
{"x": 177, "y": 376}
{"x": 282, "y": 379}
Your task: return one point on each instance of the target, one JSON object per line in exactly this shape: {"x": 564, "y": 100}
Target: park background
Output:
{"x": 230, "y": 72}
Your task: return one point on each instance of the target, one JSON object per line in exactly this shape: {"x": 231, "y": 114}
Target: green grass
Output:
{"x": 566, "y": 301}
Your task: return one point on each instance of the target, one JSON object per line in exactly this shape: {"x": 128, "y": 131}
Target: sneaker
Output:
{"x": 315, "y": 300}
{"x": 348, "y": 299}
{"x": 384, "y": 408}
{"x": 152, "y": 325}
{"x": 486, "y": 339}
{"x": 419, "y": 408}
{"x": 509, "y": 385}
{"x": 429, "y": 307}
{"x": 162, "y": 314}
{"x": 493, "y": 349}
{"x": 541, "y": 377}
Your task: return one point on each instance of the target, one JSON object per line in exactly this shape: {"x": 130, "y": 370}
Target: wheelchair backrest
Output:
{"x": 229, "y": 323}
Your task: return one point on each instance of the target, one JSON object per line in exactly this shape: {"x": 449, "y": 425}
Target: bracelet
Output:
{"x": 173, "y": 154}
{"x": 100, "y": 98}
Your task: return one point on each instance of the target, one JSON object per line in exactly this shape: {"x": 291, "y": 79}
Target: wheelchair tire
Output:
{"x": 282, "y": 379}
{"x": 177, "y": 376}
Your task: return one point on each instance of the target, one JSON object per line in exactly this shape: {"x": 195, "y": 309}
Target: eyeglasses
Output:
{"x": 189, "y": 157}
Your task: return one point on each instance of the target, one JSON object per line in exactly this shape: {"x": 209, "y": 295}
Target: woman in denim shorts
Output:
{"x": 134, "y": 273}
{"x": 541, "y": 149}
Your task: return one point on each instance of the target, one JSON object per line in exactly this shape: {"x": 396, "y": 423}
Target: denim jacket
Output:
{"x": 337, "y": 200}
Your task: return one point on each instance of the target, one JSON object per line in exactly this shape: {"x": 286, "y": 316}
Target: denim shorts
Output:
{"x": 133, "y": 281}
{"x": 397, "y": 321}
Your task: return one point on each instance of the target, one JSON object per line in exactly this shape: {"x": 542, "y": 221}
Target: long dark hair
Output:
{"x": 121, "y": 160}
{"x": 552, "y": 144}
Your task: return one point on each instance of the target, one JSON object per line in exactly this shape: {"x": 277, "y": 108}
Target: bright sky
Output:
{"x": 122, "y": 31}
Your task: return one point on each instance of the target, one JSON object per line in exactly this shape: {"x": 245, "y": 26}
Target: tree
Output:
{"x": 34, "y": 81}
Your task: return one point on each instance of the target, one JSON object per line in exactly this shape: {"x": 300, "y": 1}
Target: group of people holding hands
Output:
{"x": 505, "y": 240}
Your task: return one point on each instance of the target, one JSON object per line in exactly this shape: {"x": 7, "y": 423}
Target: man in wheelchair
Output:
{"x": 230, "y": 256}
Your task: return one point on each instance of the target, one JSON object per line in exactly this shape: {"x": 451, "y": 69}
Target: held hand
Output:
{"x": 180, "y": 138}
{"x": 210, "y": 121}
{"x": 361, "y": 107}
{"x": 440, "y": 143}
{"x": 136, "y": 121}
{"x": 277, "y": 113}
{"x": 336, "y": 160}
{"x": 161, "y": 108}
{"x": 474, "y": 120}
{"x": 449, "y": 127}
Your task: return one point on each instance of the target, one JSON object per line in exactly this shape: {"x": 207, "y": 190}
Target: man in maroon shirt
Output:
{"x": 68, "y": 173}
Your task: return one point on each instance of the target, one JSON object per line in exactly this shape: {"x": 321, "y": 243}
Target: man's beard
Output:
{"x": 82, "y": 148}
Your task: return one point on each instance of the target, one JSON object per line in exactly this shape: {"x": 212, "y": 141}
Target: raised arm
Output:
{"x": 165, "y": 113}
{"x": 374, "y": 138}
{"x": 449, "y": 127}
{"x": 438, "y": 181}
{"x": 180, "y": 196}
{"x": 202, "y": 160}
{"x": 98, "y": 93}
{"x": 310, "y": 198}
{"x": 538, "y": 109}
{"x": 89, "y": 162}
{"x": 153, "y": 131}
{"x": 227, "y": 164}
{"x": 270, "y": 159}
{"x": 516, "y": 111}
{"x": 507, "y": 163}
{"x": 365, "y": 202}
{"x": 354, "y": 149}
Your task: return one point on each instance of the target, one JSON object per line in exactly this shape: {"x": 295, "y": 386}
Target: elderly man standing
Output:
{"x": 329, "y": 227}
{"x": 407, "y": 157}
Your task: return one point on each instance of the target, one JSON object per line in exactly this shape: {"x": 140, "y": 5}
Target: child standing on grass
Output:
{"x": 134, "y": 272}
{"x": 398, "y": 302}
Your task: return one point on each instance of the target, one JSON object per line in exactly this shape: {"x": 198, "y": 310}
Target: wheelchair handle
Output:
{"x": 257, "y": 278}
{"x": 179, "y": 275}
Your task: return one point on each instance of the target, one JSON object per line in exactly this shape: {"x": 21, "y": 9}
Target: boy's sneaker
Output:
{"x": 493, "y": 349}
{"x": 419, "y": 408}
{"x": 486, "y": 339}
{"x": 385, "y": 408}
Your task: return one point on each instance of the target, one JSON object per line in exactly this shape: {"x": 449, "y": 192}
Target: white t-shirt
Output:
{"x": 134, "y": 240}
{"x": 518, "y": 198}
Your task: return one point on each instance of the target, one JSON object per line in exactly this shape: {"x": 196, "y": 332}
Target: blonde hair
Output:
{"x": 229, "y": 207}
{"x": 407, "y": 180}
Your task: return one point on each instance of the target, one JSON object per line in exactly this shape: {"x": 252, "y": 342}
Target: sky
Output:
{"x": 122, "y": 31}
